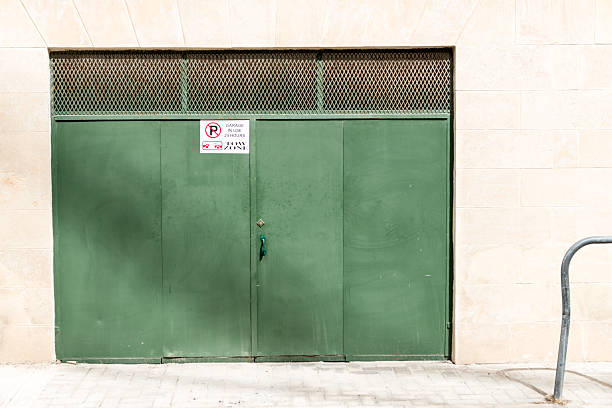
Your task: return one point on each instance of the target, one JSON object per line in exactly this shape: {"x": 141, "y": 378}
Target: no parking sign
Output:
{"x": 224, "y": 136}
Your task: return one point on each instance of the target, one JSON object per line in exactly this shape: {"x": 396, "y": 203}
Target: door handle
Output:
{"x": 262, "y": 248}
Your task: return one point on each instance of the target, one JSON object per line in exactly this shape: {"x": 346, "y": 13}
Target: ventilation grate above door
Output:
{"x": 386, "y": 81}
{"x": 86, "y": 83}
{"x": 250, "y": 83}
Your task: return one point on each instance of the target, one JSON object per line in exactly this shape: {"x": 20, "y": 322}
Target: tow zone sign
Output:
{"x": 224, "y": 136}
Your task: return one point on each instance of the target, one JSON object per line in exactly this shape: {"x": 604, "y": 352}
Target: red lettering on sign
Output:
{"x": 212, "y": 145}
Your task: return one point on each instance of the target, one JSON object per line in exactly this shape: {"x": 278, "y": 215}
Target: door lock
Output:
{"x": 260, "y": 223}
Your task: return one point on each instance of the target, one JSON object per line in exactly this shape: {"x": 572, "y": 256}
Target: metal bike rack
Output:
{"x": 565, "y": 320}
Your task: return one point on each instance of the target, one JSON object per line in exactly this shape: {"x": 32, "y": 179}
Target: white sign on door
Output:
{"x": 224, "y": 136}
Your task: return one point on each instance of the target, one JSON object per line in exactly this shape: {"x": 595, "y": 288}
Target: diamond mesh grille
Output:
{"x": 251, "y": 82}
{"x": 88, "y": 83}
{"x": 254, "y": 82}
{"x": 381, "y": 82}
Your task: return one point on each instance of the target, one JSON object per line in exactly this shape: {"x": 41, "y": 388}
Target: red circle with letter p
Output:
{"x": 212, "y": 130}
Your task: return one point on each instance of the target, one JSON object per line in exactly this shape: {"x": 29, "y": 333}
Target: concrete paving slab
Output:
{"x": 371, "y": 384}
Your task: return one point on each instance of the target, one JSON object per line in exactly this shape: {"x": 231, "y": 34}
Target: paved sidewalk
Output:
{"x": 428, "y": 384}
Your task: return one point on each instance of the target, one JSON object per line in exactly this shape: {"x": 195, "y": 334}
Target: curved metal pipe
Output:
{"x": 565, "y": 318}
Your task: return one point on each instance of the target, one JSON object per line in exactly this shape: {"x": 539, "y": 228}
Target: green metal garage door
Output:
{"x": 159, "y": 252}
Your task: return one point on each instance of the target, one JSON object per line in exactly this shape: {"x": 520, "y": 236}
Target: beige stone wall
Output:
{"x": 533, "y": 160}
{"x": 26, "y": 282}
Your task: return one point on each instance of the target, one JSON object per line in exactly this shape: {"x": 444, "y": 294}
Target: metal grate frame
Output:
{"x": 149, "y": 83}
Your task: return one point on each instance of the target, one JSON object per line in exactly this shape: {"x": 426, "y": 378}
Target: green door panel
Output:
{"x": 206, "y": 247}
{"x": 299, "y": 197}
{"x": 396, "y": 238}
{"x": 107, "y": 240}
